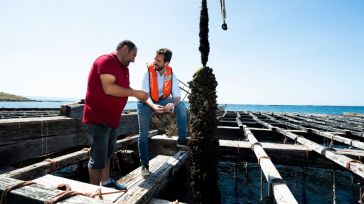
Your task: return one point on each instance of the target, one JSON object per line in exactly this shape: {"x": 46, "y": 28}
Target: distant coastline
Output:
{"x": 13, "y": 98}
{"x": 6, "y": 97}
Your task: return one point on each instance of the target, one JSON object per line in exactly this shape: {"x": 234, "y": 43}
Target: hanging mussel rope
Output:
{"x": 223, "y": 15}
{"x": 203, "y": 143}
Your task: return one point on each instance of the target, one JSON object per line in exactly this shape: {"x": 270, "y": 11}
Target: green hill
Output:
{"x": 11, "y": 97}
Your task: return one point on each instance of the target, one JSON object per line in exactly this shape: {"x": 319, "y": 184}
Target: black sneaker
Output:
{"x": 145, "y": 172}
{"x": 115, "y": 184}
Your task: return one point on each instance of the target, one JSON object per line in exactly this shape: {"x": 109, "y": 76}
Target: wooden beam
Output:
{"x": 280, "y": 190}
{"x": 354, "y": 131}
{"x": 41, "y": 168}
{"x": 350, "y": 142}
{"x": 22, "y": 139}
{"x": 352, "y": 165}
{"x": 284, "y": 154}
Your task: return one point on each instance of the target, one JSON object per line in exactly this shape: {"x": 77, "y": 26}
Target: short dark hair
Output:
{"x": 166, "y": 52}
{"x": 127, "y": 43}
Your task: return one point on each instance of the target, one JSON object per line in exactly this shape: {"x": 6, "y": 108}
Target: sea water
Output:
{"x": 231, "y": 107}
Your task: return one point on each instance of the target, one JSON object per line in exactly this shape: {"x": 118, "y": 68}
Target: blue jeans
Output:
{"x": 145, "y": 115}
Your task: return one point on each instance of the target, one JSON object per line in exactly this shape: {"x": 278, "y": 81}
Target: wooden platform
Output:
{"x": 142, "y": 190}
{"x": 22, "y": 139}
{"x": 50, "y": 181}
{"x": 269, "y": 139}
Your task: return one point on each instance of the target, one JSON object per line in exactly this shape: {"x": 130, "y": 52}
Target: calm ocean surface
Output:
{"x": 232, "y": 107}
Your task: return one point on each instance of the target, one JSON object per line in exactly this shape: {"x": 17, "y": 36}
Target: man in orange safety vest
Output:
{"x": 160, "y": 83}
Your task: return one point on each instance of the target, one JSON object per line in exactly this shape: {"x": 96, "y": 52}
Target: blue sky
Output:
{"x": 306, "y": 52}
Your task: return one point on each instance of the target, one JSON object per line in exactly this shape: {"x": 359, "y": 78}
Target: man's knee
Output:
{"x": 97, "y": 163}
{"x": 180, "y": 108}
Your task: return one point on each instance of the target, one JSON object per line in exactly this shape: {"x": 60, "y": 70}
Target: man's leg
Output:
{"x": 98, "y": 153}
{"x": 105, "y": 172}
{"x": 106, "y": 180}
{"x": 110, "y": 152}
{"x": 95, "y": 176}
{"x": 144, "y": 117}
{"x": 181, "y": 113}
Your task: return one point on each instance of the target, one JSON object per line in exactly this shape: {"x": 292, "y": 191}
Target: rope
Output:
{"x": 306, "y": 152}
{"x": 304, "y": 199}
{"x": 333, "y": 186}
{"x": 255, "y": 143}
{"x": 332, "y": 141}
{"x": 246, "y": 168}
{"x": 87, "y": 150}
{"x": 117, "y": 162}
{"x": 261, "y": 184}
{"x": 295, "y": 139}
{"x": 13, "y": 187}
{"x": 262, "y": 157}
{"x": 353, "y": 190}
{"x": 67, "y": 193}
{"x": 272, "y": 182}
{"x": 285, "y": 140}
{"x": 351, "y": 144}
{"x": 348, "y": 163}
{"x": 53, "y": 164}
{"x": 223, "y": 14}
{"x": 323, "y": 151}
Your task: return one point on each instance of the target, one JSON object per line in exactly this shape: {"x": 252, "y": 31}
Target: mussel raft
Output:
{"x": 37, "y": 143}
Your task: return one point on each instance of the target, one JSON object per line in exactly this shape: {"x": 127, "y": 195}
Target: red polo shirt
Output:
{"x": 101, "y": 108}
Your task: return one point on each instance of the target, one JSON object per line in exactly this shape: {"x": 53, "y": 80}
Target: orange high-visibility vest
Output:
{"x": 153, "y": 83}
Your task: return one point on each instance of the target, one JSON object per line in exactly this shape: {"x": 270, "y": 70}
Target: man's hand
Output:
{"x": 158, "y": 108}
{"x": 169, "y": 107}
{"x": 141, "y": 95}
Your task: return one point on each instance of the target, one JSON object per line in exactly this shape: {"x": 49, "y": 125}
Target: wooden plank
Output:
{"x": 17, "y": 151}
{"x": 38, "y": 193}
{"x": 286, "y": 149}
{"x": 41, "y": 168}
{"x": 51, "y": 181}
{"x": 280, "y": 191}
{"x": 354, "y": 131}
{"x": 26, "y": 138}
{"x": 29, "y": 128}
{"x": 350, "y": 142}
{"x": 142, "y": 190}
{"x": 285, "y": 154}
{"x": 346, "y": 162}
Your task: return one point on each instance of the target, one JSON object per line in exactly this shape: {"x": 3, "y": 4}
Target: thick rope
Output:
{"x": 13, "y": 187}
{"x": 223, "y": 14}
{"x": 53, "y": 164}
{"x": 334, "y": 186}
{"x": 262, "y": 157}
{"x": 348, "y": 163}
{"x": 67, "y": 193}
{"x": 255, "y": 143}
{"x": 261, "y": 184}
{"x": 323, "y": 151}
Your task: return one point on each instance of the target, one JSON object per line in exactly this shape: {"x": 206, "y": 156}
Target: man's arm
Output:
{"x": 112, "y": 89}
{"x": 155, "y": 107}
{"x": 176, "y": 95}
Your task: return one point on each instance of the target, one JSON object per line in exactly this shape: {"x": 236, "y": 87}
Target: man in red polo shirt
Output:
{"x": 107, "y": 93}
